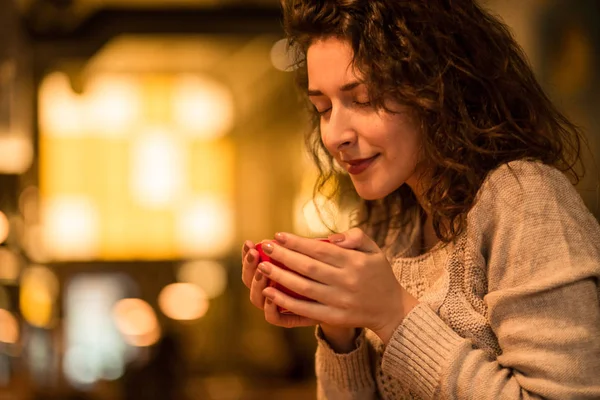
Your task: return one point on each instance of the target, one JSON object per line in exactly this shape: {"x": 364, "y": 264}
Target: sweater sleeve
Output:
{"x": 542, "y": 249}
{"x": 344, "y": 376}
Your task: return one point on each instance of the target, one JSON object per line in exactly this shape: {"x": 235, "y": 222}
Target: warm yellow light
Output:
{"x": 9, "y": 328}
{"x": 183, "y": 301}
{"x": 283, "y": 58}
{"x": 205, "y": 227}
{"x": 137, "y": 322}
{"x": 212, "y": 166}
{"x": 9, "y": 265}
{"x": 203, "y": 107}
{"x": 29, "y": 204}
{"x": 62, "y": 112}
{"x": 39, "y": 289}
{"x": 208, "y": 275}
{"x": 16, "y": 153}
{"x": 127, "y": 172}
{"x": 158, "y": 168}
{"x": 113, "y": 103}
{"x": 134, "y": 317}
{"x": 145, "y": 340}
{"x": 317, "y": 215}
{"x": 4, "y": 227}
{"x": 308, "y": 221}
{"x": 109, "y": 106}
{"x": 36, "y": 306}
{"x": 71, "y": 228}
{"x": 33, "y": 243}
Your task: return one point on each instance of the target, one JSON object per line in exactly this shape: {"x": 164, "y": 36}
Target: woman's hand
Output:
{"x": 341, "y": 340}
{"x": 351, "y": 280}
{"x": 254, "y": 280}
{"x": 257, "y": 282}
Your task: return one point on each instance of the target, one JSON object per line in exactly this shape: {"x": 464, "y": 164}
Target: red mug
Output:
{"x": 265, "y": 257}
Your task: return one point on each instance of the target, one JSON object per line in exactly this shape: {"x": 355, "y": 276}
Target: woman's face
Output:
{"x": 378, "y": 149}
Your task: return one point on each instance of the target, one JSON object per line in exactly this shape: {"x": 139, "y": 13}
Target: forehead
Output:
{"x": 329, "y": 63}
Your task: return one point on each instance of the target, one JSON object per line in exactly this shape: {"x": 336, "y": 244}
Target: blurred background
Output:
{"x": 141, "y": 142}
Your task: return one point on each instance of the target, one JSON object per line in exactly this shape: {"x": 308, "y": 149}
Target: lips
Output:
{"x": 359, "y": 165}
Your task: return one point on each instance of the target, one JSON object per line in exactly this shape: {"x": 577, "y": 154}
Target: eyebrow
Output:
{"x": 347, "y": 87}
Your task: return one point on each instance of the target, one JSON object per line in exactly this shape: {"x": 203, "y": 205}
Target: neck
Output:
{"x": 428, "y": 236}
{"x": 417, "y": 188}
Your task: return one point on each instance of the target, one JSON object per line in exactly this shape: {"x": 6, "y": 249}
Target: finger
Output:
{"x": 247, "y": 246}
{"x": 317, "y": 260}
{"x": 303, "y": 286}
{"x": 274, "y": 317}
{"x": 305, "y": 265}
{"x": 354, "y": 239}
{"x": 249, "y": 267}
{"x": 309, "y": 310}
{"x": 259, "y": 283}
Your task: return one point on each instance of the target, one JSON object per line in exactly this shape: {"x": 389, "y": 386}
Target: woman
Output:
{"x": 474, "y": 272}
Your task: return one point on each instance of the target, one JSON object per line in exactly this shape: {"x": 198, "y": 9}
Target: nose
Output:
{"x": 338, "y": 133}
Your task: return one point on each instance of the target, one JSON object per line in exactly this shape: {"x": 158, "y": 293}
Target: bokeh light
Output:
{"x": 205, "y": 226}
{"x": 29, "y": 204}
{"x": 4, "y": 227}
{"x": 37, "y": 298}
{"x": 95, "y": 348}
{"x": 129, "y": 166}
{"x": 210, "y": 276}
{"x": 77, "y": 368}
{"x": 9, "y": 327}
{"x": 16, "y": 153}
{"x": 33, "y": 243}
{"x": 203, "y": 107}
{"x": 137, "y": 322}
{"x": 314, "y": 216}
{"x": 282, "y": 57}
{"x": 113, "y": 103}
{"x": 71, "y": 228}
{"x": 10, "y": 266}
{"x": 62, "y": 112}
{"x": 158, "y": 168}
{"x": 183, "y": 301}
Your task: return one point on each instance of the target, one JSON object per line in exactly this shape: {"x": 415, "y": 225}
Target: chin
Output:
{"x": 370, "y": 190}
{"x": 372, "y": 193}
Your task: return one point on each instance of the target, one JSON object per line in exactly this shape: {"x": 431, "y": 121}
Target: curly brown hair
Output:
{"x": 467, "y": 81}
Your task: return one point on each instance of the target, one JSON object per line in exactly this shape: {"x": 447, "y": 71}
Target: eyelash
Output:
{"x": 359, "y": 104}
{"x": 356, "y": 103}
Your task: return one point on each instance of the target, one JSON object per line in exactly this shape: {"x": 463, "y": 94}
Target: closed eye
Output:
{"x": 322, "y": 112}
{"x": 362, "y": 104}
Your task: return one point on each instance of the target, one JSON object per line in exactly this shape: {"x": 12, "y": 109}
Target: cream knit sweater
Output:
{"x": 510, "y": 310}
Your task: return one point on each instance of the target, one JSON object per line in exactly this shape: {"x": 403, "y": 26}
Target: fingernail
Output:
{"x": 250, "y": 258}
{"x": 267, "y": 295}
{"x": 336, "y": 238}
{"x": 268, "y": 247}
{"x": 246, "y": 248}
{"x": 264, "y": 268}
{"x": 258, "y": 276}
{"x": 269, "y": 301}
{"x": 280, "y": 237}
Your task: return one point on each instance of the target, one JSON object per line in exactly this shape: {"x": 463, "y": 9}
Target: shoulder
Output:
{"x": 529, "y": 216}
{"x": 529, "y": 187}
{"x": 519, "y": 179}
{"x": 523, "y": 201}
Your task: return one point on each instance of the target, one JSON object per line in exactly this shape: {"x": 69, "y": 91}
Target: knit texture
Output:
{"x": 510, "y": 309}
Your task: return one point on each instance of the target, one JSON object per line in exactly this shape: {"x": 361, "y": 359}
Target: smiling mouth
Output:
{"x": 355, "y": 167}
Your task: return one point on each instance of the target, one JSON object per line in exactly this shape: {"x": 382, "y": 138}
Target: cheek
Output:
{"x": 406, "y": 140}
{"x": 324, "y": 142}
